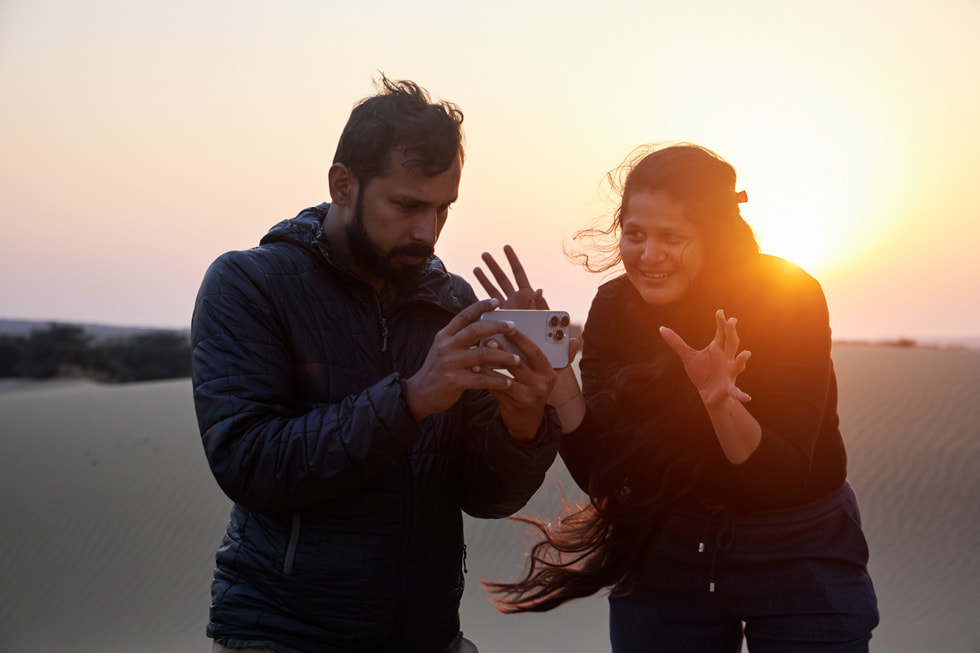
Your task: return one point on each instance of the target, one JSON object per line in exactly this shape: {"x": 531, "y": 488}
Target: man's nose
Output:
{"x": 426, "y": 229}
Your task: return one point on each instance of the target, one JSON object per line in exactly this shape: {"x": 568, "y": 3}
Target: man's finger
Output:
{"x": 476, "y": 331}
{"x": 487, "y": 379}
{"x": 469, "y": 315}
{"x": 488, "y": 358}
{"x": 536, "y": 358}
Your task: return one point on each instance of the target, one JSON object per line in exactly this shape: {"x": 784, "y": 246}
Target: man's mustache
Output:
{"x": 413, "y": 250}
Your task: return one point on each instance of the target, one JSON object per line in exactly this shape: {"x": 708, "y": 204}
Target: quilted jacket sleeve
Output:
{"x": 265, "y": 454}
{"x": 499, "y": 475}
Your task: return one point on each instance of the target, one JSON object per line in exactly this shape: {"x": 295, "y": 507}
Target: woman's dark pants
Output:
{"x": 797, "y": 579}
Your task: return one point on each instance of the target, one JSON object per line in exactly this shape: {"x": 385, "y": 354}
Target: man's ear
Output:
{"x": 343, "y": 185}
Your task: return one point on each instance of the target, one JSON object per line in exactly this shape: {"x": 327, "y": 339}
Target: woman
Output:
{"x": 719, "y": 501}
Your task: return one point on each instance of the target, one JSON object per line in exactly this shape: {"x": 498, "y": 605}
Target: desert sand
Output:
{"x": 110, "y": 516}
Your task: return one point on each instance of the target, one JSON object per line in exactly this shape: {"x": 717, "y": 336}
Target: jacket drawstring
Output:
{"x": 724, "y": 536}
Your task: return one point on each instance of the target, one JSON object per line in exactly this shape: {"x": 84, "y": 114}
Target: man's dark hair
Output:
{"x": 402, "y": 118}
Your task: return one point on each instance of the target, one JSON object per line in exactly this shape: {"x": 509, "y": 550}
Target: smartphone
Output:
{"x": 548, "y": 329}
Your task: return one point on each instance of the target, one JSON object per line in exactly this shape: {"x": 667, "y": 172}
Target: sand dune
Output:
{"x": 110, "y": 516}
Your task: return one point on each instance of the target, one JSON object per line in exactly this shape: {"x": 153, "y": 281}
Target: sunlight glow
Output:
{"x": 817, "y": 185}
{"x": 824, "y": 214}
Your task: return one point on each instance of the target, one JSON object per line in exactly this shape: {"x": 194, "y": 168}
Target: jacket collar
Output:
{"x": 435, "y": 286}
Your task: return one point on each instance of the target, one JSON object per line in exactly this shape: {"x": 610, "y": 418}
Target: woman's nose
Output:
{"x": 653, "y": 251}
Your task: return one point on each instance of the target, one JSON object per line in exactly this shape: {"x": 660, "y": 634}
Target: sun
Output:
{"x": 814, "y": 163}
{"x": 805, "y": 234}
{"x": 820, "y": 212}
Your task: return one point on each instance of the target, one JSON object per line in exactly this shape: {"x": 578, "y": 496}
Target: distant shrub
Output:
{"x": 903, "y": 342}
{"x": 11, "y": 351}
{"x": 144, "y": 357}
{"x": 53, "y": 351}
{"x": 68, "y": 350}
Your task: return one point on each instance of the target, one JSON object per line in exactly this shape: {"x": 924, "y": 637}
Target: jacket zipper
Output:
{"x": 377, "y": 302}
{"x": 384, "y": 324}
{"x": 287, "y": 567}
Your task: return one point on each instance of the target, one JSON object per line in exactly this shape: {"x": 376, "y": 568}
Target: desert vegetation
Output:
{"x": 67, "y": 350}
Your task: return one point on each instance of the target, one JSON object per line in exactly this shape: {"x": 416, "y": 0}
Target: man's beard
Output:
{"x": 370, "y": 256}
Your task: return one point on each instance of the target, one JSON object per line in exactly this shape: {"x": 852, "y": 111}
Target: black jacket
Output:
{"x": 646, "y": 426}
{"x": 346, "y": 533}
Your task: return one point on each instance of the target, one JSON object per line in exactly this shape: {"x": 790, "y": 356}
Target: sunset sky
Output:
{"x": 140, "y": 140}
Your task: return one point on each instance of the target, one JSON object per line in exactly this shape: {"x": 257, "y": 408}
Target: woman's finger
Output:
{"x": 676, "y": 343}
{"x": 731, "y": 337}
{"x": 520, "y": 277}
{"x": 505, "y": 285}
{"x": 540, "y": 302}
{"x": 736, "y": 393}
{"x": 741, "y": 362}
{"x": 720, "y": 329}
{"x": 487, "y": 285}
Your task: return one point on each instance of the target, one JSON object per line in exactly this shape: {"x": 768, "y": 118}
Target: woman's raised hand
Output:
{"x": 521, "y": 297}
{"x": 714, "y": 369}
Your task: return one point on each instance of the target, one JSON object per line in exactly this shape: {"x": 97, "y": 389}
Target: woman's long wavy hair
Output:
{"x": 606, "y": 544}
{"x": 690, "y": 174}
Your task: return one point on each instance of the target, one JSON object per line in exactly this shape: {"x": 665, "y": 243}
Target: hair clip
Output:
{"x": 741, "y": 197}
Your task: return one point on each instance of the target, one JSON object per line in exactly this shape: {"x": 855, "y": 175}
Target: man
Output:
{"x": 346, "y": 411}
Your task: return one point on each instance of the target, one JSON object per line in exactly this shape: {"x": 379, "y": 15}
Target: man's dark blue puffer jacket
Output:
{"x": 346, "y": 531}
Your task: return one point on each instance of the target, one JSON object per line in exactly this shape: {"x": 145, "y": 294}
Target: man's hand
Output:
{"x": 522, "y": 402}
{"x": 713, "y": 370}
{"x": 454, "y": 362}
{"x": 513, "y": 405}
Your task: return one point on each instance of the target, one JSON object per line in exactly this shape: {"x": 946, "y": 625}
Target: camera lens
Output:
{"x": 564, "y": 320}
{"x": 553, "y": 321}
{"x": 559, "y": 335}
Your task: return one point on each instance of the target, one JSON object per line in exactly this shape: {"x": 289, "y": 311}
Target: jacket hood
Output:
{"x": 302, "y": 230}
